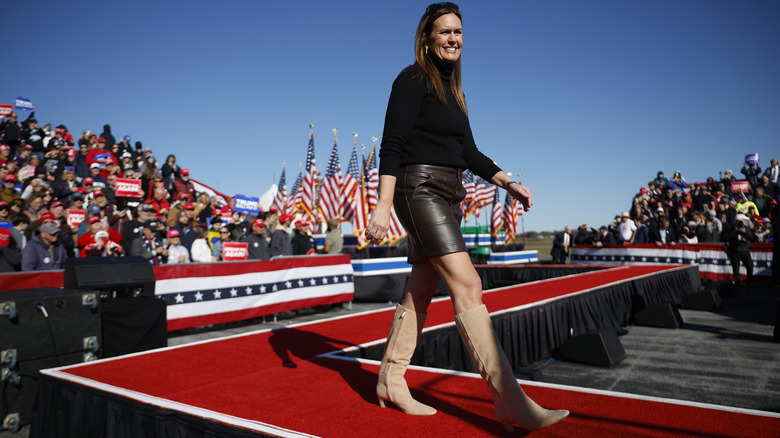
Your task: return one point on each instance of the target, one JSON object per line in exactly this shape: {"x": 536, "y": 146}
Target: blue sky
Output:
{"x": 587, "y": 99}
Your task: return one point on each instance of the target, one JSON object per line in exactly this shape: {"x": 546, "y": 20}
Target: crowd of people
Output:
{"x": 47, "y": 174}
{"x": 672, "y": 211}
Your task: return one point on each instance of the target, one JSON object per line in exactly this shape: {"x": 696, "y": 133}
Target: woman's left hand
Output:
{"x": 521, "y": 193}
{"x": 376, "y": 231}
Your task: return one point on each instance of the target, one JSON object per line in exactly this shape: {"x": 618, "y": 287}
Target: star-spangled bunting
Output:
{"x": 254, "y": 289}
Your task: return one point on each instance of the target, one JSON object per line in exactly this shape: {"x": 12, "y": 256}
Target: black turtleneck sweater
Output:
{"x": 421, "y": 130}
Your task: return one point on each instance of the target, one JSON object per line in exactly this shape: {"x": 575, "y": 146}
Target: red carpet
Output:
{"x": 276, "y": 378}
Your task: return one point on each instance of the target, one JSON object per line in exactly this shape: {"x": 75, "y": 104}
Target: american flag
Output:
{"x": 372, "y": 180}
{"x": 295, "y": 196}
{"x": 512, "y": 210}
{"x": 351, "y": 187}
{"x": 510, "y": 226}
{"x": 396, "y": 230}
{"x": 360, "y": 220}
{"x": 484, "y": 193}
{"x": 331, "y": 193}
{"x": 280, "y": 201}
{"x": 496, "y": 220}
{"x": 308, "y": 187}
{"x": 469, "y": 202}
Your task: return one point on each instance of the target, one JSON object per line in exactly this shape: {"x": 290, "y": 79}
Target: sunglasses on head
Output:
{"x": 433, "y": 7}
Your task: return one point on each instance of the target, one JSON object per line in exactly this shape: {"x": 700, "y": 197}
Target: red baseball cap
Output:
{"x": 88, "y": 180}
{"x": 173, "y": 233}
{"x": 56, "y": 204}
{"x": 47, "y": 217}
{"x": 185, "y": 171}
{"x": 93, "y": 219}
{"x": 10, "y": 177}
{"x": 258, "y": 223}
{"x": 189, "y": 206}
{"x": 284, "y": 217}
{"x": 97, "y": 193}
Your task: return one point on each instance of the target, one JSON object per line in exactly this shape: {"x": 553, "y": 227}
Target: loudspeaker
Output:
{"x": 21, "y": 387}
{"x": 133, "y": 325}
{"x": 662, "y": 315}
{"x": 48, "y": 322}
{"x": 114, "y": 277}
{"x": 706, "y": 299}
{"x": 600, "y": 348}
{"x": 41, "y": 328}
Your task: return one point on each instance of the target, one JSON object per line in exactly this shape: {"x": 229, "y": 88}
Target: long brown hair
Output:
{"x": 432, "y": 78}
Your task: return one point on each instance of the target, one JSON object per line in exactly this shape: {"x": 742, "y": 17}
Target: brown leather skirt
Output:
{"x": 427, "y": 202}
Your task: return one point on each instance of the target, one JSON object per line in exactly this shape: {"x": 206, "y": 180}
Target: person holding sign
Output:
{"x": 751, "y": 169}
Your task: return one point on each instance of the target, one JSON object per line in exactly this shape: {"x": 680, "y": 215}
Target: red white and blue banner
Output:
{"x": 200, "y": 294}
{"x": 203, "y": 294}
{"x": 713, "y": 262}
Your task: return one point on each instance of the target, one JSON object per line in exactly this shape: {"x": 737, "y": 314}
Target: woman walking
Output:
{"x": 426, "y": 145}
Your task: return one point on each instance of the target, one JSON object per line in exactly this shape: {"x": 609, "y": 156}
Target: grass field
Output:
{"x": 542, "y": 247}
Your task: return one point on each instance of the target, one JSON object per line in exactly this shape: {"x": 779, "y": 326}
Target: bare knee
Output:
{"x": 462, "y": 280}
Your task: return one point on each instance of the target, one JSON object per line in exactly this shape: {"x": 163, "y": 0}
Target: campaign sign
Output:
{"x": 5, "y": 237}
{"x": 6, "y": 109}
{"x": 6, "y": 224}
{"x": 233, "y": 251}
{"x": 74, "y": 217}
{"x": 227, "y": 217}
{"x": 247, "y": 204}
{"x": 129, "y": 188}
{"x": 740, "y": 187}
{"x": 105, "y": 157}
{"x": 23, "y": 104}
{"x": 751, "y": 159}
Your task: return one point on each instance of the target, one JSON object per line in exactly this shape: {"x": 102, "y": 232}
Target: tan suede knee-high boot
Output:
{"x": 513, "y": 406}
{"x": 401, "y": 342}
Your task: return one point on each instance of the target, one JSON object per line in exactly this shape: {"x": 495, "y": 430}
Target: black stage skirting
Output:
{"x": 390, "y": 287}
{"x": 533, "y": 334}
{"x": 66, "y": 410}
{"x": 528, "y": 335}
{"x": 509, "y": 275}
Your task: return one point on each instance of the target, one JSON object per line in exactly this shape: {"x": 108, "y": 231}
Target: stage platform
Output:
{"x": 295, "y": 381}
